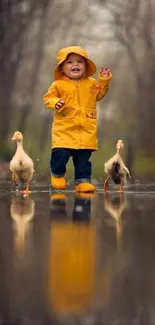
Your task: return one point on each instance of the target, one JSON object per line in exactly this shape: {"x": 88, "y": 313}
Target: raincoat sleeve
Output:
{"x": 52, "y": 97}
{"x": 103, "y": 86}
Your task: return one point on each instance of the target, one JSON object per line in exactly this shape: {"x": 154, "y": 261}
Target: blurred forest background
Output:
{"x": 119, "y": 34}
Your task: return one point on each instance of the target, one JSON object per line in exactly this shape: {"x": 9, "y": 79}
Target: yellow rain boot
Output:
{"x": 85, "y": 195}
{"x": 58, "y": 196}
{"x": 85, "y": 187}
{"x": 58, "y": 183}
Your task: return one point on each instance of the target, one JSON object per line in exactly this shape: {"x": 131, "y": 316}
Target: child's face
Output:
{"x": 74, "y": 67}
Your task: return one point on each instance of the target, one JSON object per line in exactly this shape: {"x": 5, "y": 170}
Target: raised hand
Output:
{"x": 60, "y": 103}
{"x": 105, "y": 72}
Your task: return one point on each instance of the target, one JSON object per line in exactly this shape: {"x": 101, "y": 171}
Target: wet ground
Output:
{"x": 68, "y": 259}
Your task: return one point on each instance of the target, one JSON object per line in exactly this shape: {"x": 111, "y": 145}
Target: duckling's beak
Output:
{"x": 13, "y": 139}
{"x": 119, "y": 147}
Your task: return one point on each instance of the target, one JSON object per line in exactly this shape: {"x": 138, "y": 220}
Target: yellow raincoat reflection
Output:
{"x": 72, "y": 259}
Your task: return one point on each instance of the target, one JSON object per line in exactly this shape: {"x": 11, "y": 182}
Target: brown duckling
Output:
{"x": 116, "y": 169}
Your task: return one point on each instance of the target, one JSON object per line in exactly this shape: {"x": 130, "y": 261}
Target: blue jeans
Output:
{"x": 82, "y": 165}
{"x": 58, "y": 210}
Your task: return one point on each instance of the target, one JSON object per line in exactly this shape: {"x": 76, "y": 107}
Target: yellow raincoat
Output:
{"x": 75, "y": 124}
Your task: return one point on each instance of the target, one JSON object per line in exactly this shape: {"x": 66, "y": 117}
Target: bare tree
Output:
{"x": 38, "y": 55}
{"x": 14, "y": 19}
{"x": 133, "y": 24}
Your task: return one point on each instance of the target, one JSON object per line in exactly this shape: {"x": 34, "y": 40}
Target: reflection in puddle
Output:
{"x": 22, "y": 212}
{"x": 89, "y": 260}
{"x": 72, "y": 263}
{"x": 28, "y": 273}
{"x": 115, "y": 206}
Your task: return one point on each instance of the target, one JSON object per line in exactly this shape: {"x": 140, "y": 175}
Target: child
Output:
{"x": 73, "y": 97}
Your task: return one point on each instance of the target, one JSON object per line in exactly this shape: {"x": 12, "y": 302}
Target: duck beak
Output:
{"x": 13, "y": 139}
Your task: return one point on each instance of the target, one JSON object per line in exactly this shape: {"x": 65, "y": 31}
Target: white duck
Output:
{"x": 116, "y": 169}
{"x": 21, "y": 165}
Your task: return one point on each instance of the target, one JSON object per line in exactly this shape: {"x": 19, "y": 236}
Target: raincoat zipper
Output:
{"x": 78, "y": 97}
{"x": 78, "y": 93}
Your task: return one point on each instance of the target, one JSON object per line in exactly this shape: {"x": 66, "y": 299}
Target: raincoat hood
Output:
{"x": 62, "y": 55}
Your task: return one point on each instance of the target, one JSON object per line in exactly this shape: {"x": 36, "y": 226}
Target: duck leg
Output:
{"x": 26, "y": 191}
{"x": 120, "y": 190}
{"x": 13, "y": 178}
{"x": 106, "y": 184}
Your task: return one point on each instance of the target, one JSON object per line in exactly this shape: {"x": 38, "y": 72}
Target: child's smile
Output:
{"x": 74, "y": 67}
